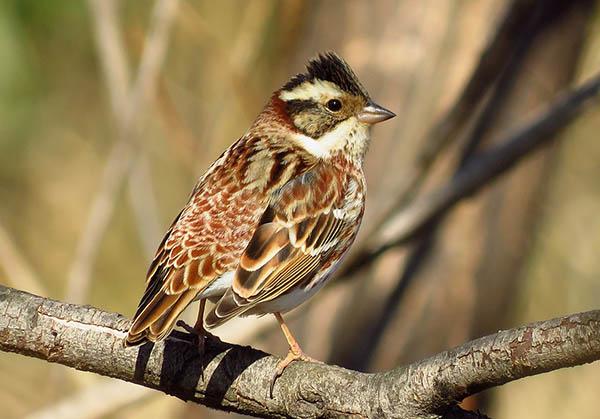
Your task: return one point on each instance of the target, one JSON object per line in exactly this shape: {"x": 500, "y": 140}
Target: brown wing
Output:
{"x": 303, "y": 229}
{"x": 207, "y": 239}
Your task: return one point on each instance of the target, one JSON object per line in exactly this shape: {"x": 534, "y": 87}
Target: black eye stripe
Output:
{"x": 308, "y": 113}
{"x": 297, "y": 106}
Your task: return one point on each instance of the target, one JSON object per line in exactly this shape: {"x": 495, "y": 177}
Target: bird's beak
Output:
{"x": 373, "y": 113}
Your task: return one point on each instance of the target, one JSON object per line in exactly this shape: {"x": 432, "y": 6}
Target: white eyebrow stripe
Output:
{"x": 311, "y": 89}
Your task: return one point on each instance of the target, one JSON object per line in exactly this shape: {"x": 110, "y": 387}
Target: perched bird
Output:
{"x": 272, "y": 217}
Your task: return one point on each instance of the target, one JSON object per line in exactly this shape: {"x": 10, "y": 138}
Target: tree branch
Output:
{"x": 234, "y": 378}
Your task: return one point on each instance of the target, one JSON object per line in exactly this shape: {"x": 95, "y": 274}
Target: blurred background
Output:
{"x": 110, "y": 110}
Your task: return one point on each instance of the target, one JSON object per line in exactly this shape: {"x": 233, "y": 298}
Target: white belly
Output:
{"x": 217, "y": 288}
{"x": 281, "y": 304}
{"x": 284, "y": 303}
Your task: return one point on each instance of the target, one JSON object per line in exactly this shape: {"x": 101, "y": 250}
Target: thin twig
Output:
{"x": 144, "y": 204}
{"x": 112, "y": 55}
{"x": 79, "y": 276}
{"x": 121, "y": 157}
{"x": 116, "y": 72}
{"x": 493, "y": 63}
{"x": 479, "y": 172}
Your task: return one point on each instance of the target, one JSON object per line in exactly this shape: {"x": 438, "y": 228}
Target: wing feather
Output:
{"x": 266, "y": 242}
{"x": 286, "y": 251}
{"x": 210, "y": 235}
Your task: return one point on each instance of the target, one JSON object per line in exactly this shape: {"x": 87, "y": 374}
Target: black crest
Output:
{"x": 330, "y": 67}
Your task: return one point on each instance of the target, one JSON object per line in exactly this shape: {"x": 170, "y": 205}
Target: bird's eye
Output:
{"x": 334, "y": 105}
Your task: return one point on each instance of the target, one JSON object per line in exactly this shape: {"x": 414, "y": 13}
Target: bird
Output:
{"x": 270, "y": 220}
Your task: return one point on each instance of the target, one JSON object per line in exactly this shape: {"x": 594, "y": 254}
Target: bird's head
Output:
{"x": 329, "y": 108}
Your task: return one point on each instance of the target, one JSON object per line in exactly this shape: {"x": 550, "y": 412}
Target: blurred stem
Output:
{"x": 492, "y": 162}
{"x": 143, "y": 202}
{"x": 95, "y": 401}
{"x": 112, "y": 55}
{"x": 127, "y": 110}
{"x": 115, "y": 170}
{"x": 481, "y": 170}
{"x": 18, "y": 271}
{"x": 494, "y": 62}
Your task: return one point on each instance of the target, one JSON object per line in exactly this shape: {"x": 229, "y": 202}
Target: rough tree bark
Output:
{"x": 234, "y": 378}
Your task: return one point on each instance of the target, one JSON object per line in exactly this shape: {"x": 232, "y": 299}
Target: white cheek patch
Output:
{"x": 343, "y": 133}
{"x": 349, "y": 134}
{"x": 315, "y": 90}
{"x": 312, "y": 146}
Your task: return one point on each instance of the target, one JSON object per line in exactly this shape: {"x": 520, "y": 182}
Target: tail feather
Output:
{"x": 157, "y": 320}
{"x": 161, "y": 328}
{"x": 157, "y": 313}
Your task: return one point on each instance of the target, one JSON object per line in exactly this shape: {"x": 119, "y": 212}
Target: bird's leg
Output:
{"x": 294, "y": 354}
{"x": 198, "y": 330}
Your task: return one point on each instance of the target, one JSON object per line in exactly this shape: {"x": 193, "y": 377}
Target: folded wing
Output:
{"x": 303, "y": 226}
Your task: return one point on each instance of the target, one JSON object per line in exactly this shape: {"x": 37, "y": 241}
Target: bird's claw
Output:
{"x": 198, "y": 332}
{"x": 293, "y": 355}
{"x": 187, "y": 328}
